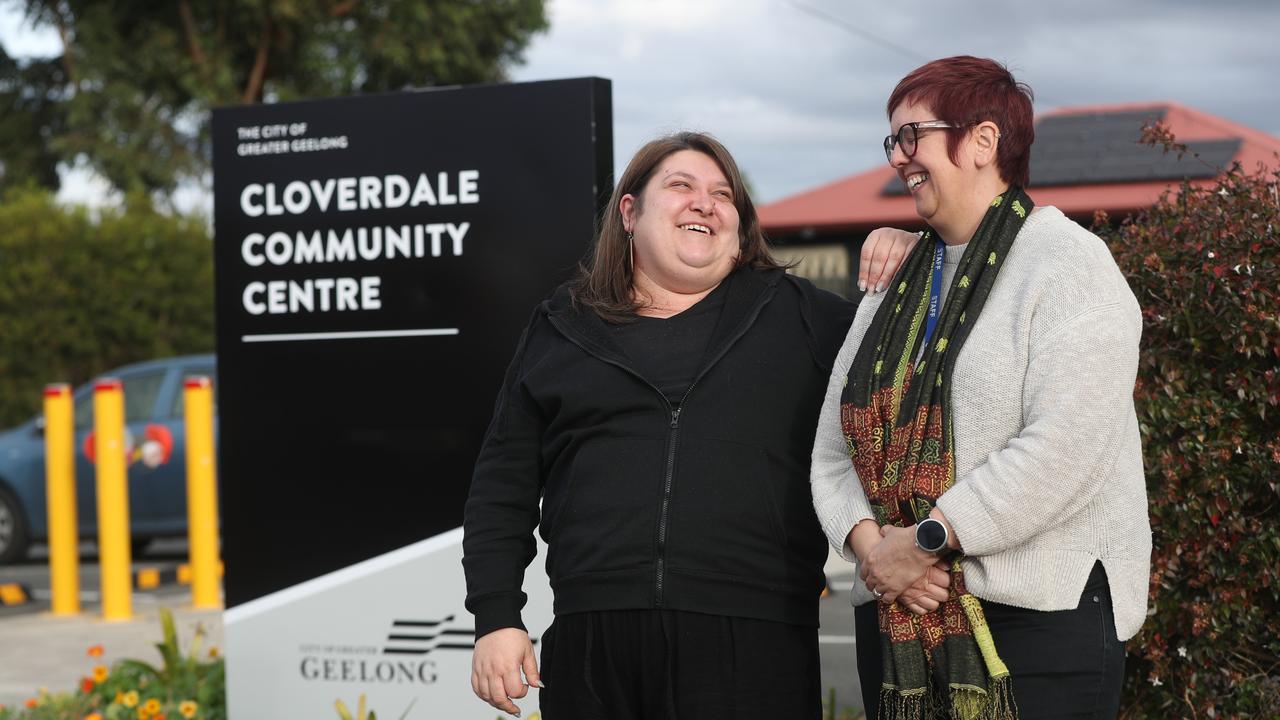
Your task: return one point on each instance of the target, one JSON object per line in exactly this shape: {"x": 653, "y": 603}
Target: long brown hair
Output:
{"x": 605, "y": 277}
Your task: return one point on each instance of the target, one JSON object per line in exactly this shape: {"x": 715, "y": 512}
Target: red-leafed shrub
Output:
{"x": 1204, "y": 264}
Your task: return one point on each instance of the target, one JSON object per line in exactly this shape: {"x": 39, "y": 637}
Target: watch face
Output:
{"x": 931, "y": 535}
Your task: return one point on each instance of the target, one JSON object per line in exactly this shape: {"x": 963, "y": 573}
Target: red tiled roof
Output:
{"x": 858, "y": 202}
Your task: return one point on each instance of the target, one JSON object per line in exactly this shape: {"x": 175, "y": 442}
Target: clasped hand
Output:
{"x": 897, "y": 570}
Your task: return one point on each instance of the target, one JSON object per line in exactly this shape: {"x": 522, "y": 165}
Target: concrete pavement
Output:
{"x": 835, "y": 638}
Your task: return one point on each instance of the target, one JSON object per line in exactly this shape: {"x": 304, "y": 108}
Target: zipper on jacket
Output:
{"x": 666, "y": 502}
{"x": 674, "y": 426}
{"x": 671, "y": 450}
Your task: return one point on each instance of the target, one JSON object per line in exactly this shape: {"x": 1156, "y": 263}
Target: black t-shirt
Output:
{"x": 668, "y": 352}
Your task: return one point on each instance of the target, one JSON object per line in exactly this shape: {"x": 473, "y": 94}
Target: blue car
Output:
{"x": 156, "y": 444}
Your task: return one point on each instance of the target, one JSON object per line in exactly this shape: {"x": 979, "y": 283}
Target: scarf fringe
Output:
{"x": 895, "y": 705}
{"x": 959, "y": 703}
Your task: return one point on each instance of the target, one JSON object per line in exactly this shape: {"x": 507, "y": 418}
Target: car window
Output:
{"x": 140, "y": 393}
{"x": 84, "y": 411}
{"x": 178, "y": 411}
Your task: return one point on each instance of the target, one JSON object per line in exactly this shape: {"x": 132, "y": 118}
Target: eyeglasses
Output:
{"x": 908, "y": 134}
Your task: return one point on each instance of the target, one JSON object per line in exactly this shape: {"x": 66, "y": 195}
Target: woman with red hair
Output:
{"x": 980, "y": 418}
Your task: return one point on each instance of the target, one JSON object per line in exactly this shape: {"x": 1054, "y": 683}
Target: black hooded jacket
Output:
{"x": 701, "y": 506}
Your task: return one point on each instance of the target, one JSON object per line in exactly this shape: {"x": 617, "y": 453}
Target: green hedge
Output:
{"x": 82, "y": 294}
{"x": 1205, "y": 266}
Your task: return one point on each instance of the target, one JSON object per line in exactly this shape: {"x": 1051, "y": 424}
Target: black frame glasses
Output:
{"x": 909, "y": 134}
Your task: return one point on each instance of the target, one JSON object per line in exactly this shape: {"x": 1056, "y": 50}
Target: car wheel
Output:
{"x": 13, "y": 529}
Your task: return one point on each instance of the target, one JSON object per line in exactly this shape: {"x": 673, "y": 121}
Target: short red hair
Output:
{"x": 965, "y": 90}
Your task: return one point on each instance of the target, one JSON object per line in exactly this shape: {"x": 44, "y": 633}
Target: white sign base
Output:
{"x": 392, "y": 628}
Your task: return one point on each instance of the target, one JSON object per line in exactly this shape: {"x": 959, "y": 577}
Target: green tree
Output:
{"x": 30, "y": 116}
{"x": 132, "y": 88}
{"x": 79, "y": 295}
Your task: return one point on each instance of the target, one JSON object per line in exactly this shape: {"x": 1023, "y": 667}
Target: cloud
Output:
{"x": 20, "y": 40}
{"x": 799, "y": 98}
{"x": 797, "y": 93}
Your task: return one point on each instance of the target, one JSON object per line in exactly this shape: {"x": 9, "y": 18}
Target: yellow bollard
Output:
{"x": 113, "y": 500}
{"x": 60, "y": 484}
{"x": 202, "y": 494}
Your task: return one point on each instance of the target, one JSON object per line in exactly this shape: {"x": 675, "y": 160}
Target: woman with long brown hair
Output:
{"x": 655, "y": 426}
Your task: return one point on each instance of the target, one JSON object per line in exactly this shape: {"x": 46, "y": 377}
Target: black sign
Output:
{"x": 376, "y": 260}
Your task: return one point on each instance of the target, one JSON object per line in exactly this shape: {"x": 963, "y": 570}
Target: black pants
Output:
{"x": 671, "y": 665}
{"x": 1067, "y": 664}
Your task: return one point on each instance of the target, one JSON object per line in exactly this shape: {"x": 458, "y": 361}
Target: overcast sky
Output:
{"x": 797, "y": 89}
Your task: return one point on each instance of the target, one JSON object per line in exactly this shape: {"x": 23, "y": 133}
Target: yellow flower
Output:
{"x": 130, "y": 699}
{"x": 93, "y": 716}
{"x": 152, "y": 707}
{"x": 100, "y": 673}
{"x": 213, "y": 652}
{"x": 143, "y": 714}
{"x": 188, "y": 708}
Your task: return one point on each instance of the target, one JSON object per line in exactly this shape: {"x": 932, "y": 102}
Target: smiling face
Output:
{"x": 952, "y": 196}
{"x": 934, "y": 181}
{"x": 685, "y": 225}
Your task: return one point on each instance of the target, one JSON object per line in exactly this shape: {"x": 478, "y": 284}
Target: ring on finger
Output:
{"x": 877, "y": 593}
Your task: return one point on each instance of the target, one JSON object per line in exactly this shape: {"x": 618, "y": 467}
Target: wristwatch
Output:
{"x": 931, "y": 536}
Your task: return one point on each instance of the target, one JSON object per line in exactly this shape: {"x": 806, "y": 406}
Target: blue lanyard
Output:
{"x": 935, "y": 291}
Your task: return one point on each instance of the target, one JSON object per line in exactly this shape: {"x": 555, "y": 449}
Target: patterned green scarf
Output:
{"x": 896, "y": 417}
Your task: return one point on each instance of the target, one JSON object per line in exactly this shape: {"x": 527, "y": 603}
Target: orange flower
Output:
{"x": 152, "y": 706}
{"x": 188, "y": 708}
{"x": 158, "y": 716}
{"x": 30, "y": 703}
{"x": 86, "y": 685}
{"x": 93, "y": 716}
{"x": 143, "y": 714}
{"x": 95, "y": 651}
{"x": 100, "y": 673}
